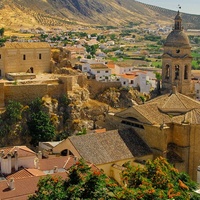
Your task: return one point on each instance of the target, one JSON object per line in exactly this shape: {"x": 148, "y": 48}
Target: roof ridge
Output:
{"x": 181, "y": 100}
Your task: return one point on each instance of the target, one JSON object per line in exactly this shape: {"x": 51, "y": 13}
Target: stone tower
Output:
{"x": 177, "y": 60}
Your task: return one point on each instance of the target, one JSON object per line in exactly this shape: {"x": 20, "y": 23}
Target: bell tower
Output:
{"x": 177, "y": 60}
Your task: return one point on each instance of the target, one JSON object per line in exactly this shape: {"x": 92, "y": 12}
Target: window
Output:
{"x": 132, "y": 82}
{"x": 98, "y": 72}
{"x": 186, "y": 72}
{"x": 124, "y": 82}
{"x": 24, "y": 57}
{"x": 0, "y": 56}
{"x": 106, "y": 71}
{"x": 40, "y": 56}
{"x": 176, "y": 72}
{"x": 132, "y": 124}
{"x": 167, "y": 72}
{"x": 197, "y": 91}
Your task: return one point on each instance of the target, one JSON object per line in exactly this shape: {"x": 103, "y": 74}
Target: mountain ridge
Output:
{"x": 49, "y": 13}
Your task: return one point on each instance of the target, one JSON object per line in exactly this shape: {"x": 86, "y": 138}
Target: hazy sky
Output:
{"x": 187, "y": 6}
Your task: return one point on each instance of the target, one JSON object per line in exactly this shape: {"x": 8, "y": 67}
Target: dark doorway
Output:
{"x": 31, "y": 69}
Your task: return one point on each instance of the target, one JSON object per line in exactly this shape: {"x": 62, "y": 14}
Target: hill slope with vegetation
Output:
{"x": 28, "y": 13}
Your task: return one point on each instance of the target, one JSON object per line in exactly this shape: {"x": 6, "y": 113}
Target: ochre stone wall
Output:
{"x": 23, "y": 56}
{"x": 55, "y": 91}
{"x": 194, "y": 158}
{"x": 96, "y": 87}
{"x": 1, "y": 94}
{"x": 24, "y": 93}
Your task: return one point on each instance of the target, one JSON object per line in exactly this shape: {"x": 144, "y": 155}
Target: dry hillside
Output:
{"x": 34, "y": 13}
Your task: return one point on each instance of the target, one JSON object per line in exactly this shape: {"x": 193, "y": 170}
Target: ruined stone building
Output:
{"x": 18, "y": 57}
{"x": 170, "y": 123}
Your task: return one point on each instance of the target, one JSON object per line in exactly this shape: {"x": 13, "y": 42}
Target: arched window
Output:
{"x": 66, "y": 152}
{"x": 186, "y": 72}
{"x": 177, "y": 25}
{"x": 167, "y": 72}
{"x": 176, "y": 72}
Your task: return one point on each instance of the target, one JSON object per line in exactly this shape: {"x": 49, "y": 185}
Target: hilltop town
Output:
{"x": 109, "y": 95}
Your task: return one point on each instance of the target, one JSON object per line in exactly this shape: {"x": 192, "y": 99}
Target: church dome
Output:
{"x": 177, "y": 39}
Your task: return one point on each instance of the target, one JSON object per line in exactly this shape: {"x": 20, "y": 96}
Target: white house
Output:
{"x": 129, "y": 80}
{"x": 11, "y": 158}
{"x": 123, "y": 68}
{"x": 101, "y": 71}
{"x": 84, "y": 64}
{"x": 143, "y": 80}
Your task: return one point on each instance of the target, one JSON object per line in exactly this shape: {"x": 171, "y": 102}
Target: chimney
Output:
{"x": 36, "y": 163}
{"x": 1, "y": 156}
{"x": 55, "y": 170}
{"x": 39, "y": 154}
{"x": 12, "y": 183}
{"x": 9, "y": 169}
{"x": 16, "y": 160}
{"x": 1, "y": 153}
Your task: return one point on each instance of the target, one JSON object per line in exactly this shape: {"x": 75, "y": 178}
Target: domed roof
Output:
{"x": 177, "y": 38}
{"x": 178, "y": 17}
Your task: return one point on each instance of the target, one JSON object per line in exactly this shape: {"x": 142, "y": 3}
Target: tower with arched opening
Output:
{"x": 177, "y": 60}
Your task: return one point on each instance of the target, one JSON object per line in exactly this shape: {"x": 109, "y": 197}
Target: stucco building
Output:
{"x": 108, "y": 150}
{"x": 170, "y": 123}
{"x": 33, "y": 57}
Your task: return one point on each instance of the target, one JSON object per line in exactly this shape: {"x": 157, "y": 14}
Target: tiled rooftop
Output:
{"x": 22, "y": 151}
{"x": 110, "y": 146}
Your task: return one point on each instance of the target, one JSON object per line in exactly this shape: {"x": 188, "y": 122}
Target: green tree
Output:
{"x": 92, "y": 49}
{"x": 13, "y": 111}
{"x": 2, "y": 30}
{"x": 82, "y": 183}
{"x": 50, "y": 188}
{"x": 157, "y": 180}
{"x": 40, "y": 126}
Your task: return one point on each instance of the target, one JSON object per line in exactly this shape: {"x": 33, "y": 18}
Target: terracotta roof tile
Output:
{"x": 111, "y": 65}
{"x": 128, "y": 76}
{"x": 20, "y": 174}
{"x": 60, "y": 162}
{"x": 22, "y": 151}
{"x": 23, "y": 187}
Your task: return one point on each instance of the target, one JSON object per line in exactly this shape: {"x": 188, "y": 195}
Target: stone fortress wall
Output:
{"x": 25, "y": 92}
